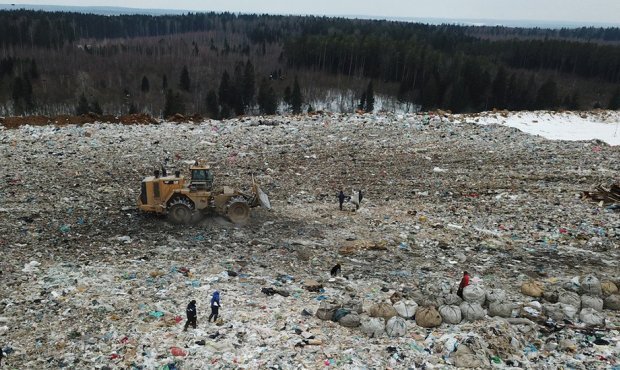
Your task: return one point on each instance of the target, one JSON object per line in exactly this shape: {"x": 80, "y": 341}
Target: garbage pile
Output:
{"x": 90, "y": 282}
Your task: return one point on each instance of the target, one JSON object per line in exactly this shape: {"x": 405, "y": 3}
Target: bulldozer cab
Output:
{"x": 201, "y": 177}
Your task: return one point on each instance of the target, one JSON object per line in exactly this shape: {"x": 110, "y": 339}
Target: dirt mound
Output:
{"x": 179, "y": 118}
{"x": 62, "y": 120}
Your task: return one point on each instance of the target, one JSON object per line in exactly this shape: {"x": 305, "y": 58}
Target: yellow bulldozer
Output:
{"x": 183, "y": 198}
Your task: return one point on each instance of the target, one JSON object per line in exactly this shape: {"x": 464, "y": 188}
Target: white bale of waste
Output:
{"x": 496, "y": 295}
{"x": 570, "y": 298}
{"x": 609, "y": 288}
{"x": 351, "y": 320}
{"x": 472, "y": 311}
{"x": 450, "y": 314}
{"x": 560, "y": 311}
{"x": 501, "y": 309}
{"x": 553, "y": 311}
{"x": 428, "y": 317}
{"x": 590, "y": 285}
{"x": 588, "y": 301}
{"x": 383, "y": 309}
{"x": 474, "y": 294}
{"x": 374, "y": 327}
{"x": 591, "y": 317}
{"x": 531, "y": 309}
{"x": 451, "y": 299}
{"x": 570, "y": 312}
{"x": 612, "y": 302}
{"x": 396, "y": 327}
{"x": 406, "y": 309}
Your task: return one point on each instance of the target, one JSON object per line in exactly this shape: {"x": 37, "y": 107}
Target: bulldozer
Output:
{"x": 181, "y": 198}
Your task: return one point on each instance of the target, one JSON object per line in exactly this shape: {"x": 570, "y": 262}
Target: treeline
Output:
{"x": 224, "y": 65}
{"x": 592, "y": 34}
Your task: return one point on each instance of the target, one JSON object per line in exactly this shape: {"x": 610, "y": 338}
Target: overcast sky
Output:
{"x": 582, "y": 11}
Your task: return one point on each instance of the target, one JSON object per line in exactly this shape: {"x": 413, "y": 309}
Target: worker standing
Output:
{"x": 192, "y": 315}
{"x": 463, "y": 284}
{"x": 341, "y": 198}
{"x": 215, "y": 306}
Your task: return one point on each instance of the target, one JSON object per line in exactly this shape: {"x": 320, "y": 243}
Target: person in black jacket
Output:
{"x": 192, "y": 315}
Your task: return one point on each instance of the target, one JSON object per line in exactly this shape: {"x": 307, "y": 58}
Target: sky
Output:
{"x": 580, "y": 11}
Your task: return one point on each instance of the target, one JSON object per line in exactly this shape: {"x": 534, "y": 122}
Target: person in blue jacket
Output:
{"x": 215, "y": 306}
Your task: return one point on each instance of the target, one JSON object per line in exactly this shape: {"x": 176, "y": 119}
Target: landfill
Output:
{"x": 90, "y": 282}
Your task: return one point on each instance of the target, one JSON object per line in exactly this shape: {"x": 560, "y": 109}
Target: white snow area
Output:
{"x": 601, "y": 125}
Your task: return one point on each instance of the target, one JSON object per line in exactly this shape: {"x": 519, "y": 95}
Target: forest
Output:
{"x": 223, "y": 65}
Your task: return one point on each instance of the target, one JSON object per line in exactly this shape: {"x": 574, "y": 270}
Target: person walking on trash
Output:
{"x": 215, "y": 306}
{"x": 463, "y": 284}
{"x": 342, "y": 198}
{"x": 192, "y": 315}
{"x": 357, "y": 199}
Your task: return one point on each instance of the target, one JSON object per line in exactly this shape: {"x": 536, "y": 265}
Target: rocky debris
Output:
{"x": 89, "y": 282}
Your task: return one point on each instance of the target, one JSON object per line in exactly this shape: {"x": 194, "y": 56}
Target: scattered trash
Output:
{"x": 107, "y": 285}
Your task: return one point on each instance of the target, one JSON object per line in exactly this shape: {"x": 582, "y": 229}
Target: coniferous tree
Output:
{"x": 370, "y": 98}
{"x": 498, "y": 89}
{"x": 248, "y": 88}
{"x": 547, "y": 97}
{"x": 614, "y": 101}
{"x": 212, "y": 106}
{"x": 145, "y": 86}
{"x": 18, "y": 96}
{"x": 132, "y": 109}
{"x": 225, "y": 90}
{"x": 296, "y": 97}
{"x": 361, "y": 106}
{"x": 184, "y": 81}
{"x": 164, "y": 82}
{"x": 237, "y": 94}
{"x": 267, "y": 99}
{"x": 82, "y": 106}
{"x": 34, "y": 71}
{"x": 174, "y": 104}
{"x": 96, "y": 108}
{"x": 457, "y": 102}
{"x": 512, "y": 93}
{"x": 287, "y": 95}
{"x": 225, "y": 111}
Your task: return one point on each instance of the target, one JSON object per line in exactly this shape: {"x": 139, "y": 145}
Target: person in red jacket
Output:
{"x": 463, "y": 284}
